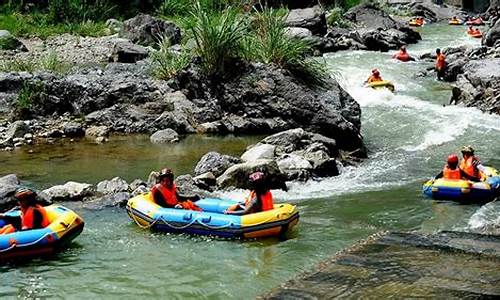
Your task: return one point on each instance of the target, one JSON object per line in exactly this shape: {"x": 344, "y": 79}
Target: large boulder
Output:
{"x": 479, "y": 86}
{"x": 17, "y": 129}
{"x": 214, "y": 163}
{"x": 165, "y": 136}
{"x": 237, "y": 175}
{"x": 70, "y": 191}
{"x": 118, "y": 199}
{"x": 263, "y": 98}
{"x": 263, "y": 151}
{"x": 311, "y": 18}
{"x": 113, "y": 186}
{"x": 492, "y": 35}
{"x": 374, "y": 30}
{"x": 187, "y": 188}
{"x": 10, "y": 179}
{"x": 9, "y": 42}
{"x": 127, "y": 52}
{"x": 73, "y": 129}
{"x": 147, "y": 31}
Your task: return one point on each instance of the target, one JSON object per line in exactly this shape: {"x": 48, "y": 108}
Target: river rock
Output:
{"x": 206, "y": 181}
{"x": 9, "y": 42}
{"x": 187, "y": 188}
{"x": 165, "y": 136}
{"x": 113, "y": 186}
{"x": 492, "y": 35}
{"x": 298, "y": 32}
{"x": 97, "y": 131}
{"x": 137, "y": 183}
{"x": 263, "y": 151}
{"x": 237, "y": 175}
{"x": 10, "y": 179}
{"x": 7, "y": 199}
{"x": 70, "y": 191}
{"x": 266, "y": 99}
{"x": 127, "y": 52}
{"x": 147, "y": 31}
{"x": 479, "y": 86}
{"x": 215, "y": 163}
{"x": 374, "y": 30}
{"x": 73, "y": 129}
{"x": 114, "y": 25}
{"x": 118, "y": 199}
{"x": 311, "y": 18}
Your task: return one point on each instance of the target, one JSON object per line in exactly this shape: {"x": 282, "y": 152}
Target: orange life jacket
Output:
{"x": 468, "y": 167}
{"x": 451, "y": 173}
{"x": 374, "y": 78}
{"x": 266, "y": 200}
{"x": 440, "y": 62}
{"x": 169, "y": 195}
{"x": 27, "y": 217}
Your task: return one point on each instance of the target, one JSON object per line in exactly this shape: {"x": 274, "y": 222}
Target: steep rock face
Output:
{"x": 311, "y": 18}
{"x": 492, "y": 36}
{"x": 479, "y": 86}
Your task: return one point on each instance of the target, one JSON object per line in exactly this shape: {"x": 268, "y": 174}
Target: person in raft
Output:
{"x": 260, "y": 198}
{"x": 440, "y": 64}
{"x": 165, "y": 192}
{"x": 402, "y": 55}
{"x": 471, "y": 164}
{"x": 33, "y": 216}
{"x": 375, "y": 77}
{"x": 454, "y": 19}
{"x": 472, "y": 31}
{"x": 452, "y": 171}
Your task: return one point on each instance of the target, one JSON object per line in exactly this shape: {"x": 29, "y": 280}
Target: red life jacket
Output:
{"x": 27, "y": 217}
{"x": 266, "y": 200}
{"x": 169, "y": 195}
{"x": 450, "y": 173}
{"x": 402, "y": 56}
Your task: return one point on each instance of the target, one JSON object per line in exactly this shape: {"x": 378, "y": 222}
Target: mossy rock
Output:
{"x": 9, "y": 42}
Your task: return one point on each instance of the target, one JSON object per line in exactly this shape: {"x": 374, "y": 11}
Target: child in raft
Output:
{"x": 260, "y": 198}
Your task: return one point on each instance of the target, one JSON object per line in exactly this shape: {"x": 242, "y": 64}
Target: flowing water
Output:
{"x": 409, "y": 134}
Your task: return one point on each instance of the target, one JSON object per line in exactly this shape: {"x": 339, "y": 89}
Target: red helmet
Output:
{"x": 375, "y": 72}
{"x": 452, "y": 159}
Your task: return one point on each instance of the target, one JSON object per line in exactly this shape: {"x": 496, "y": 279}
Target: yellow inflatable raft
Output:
{"x": 382, "y": 84}
{"x": 212, "y": 221}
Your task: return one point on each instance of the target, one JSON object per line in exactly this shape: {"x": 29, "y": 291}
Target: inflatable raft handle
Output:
{"x": 188, "y": 216}
{"x": 206, "y": 220}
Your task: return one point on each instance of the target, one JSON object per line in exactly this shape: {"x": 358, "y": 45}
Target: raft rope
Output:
{"x": 161, "y": 218}
{"x": 14, "y": 245}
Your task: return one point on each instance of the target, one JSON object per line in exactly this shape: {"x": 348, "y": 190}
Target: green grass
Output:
{"x": 269, "y": 43}
{"x": 38, "y": 25}
{"x": 218, "y": 37}
{"x": 49, "y": 63}
{"x": 29, "y": 94}
{"x": 165, "y": 63}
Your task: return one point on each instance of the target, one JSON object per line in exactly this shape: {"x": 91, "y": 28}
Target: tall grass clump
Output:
{"x": 270, "y": 43}
{"x": 166, "y": 63}
{"x": 63, "y": 11}
{"x": 218, "y": 37}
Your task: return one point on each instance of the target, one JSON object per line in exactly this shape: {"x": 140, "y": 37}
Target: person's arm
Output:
{"x": 37, "y": 219}
{"x": 467, "y": 176}
{"x": 253, "y": 203}
{"x": 440, "y": 175}
{"x": 157, "y": 196}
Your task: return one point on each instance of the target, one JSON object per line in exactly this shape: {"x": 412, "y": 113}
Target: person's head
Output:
{"x": 166, "y": 177}
{"x": 403, "y": 48}
{"x": 454, "y": 17}
{"x": 375, "y": 72}
{"x": 257, "y": 181}
{"x": 25, "y": 197}
{"x": 467, "y": 151}
{"x": 452, "y": 161}
{"x": 438, "y": 51}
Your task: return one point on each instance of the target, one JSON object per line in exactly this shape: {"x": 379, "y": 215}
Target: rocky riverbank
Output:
{"x": 292, "y": 155}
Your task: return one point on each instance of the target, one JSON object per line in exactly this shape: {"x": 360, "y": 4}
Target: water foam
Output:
{"x": 486, "y": 220}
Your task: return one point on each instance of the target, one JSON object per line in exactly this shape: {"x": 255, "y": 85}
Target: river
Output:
{"x": 409, "y": 134}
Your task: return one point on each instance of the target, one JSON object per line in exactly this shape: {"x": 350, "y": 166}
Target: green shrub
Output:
{"x": 67, "y": 11}
{"x": 336, "y": 18}
{"x": 269, "y": 43}
{"x": 17, "y": 65}
{"x": 53, "y": 64}
{"x": 165, "y": 63}
{"x": 218, "y": 37}
{"x": 28, "y": 96}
